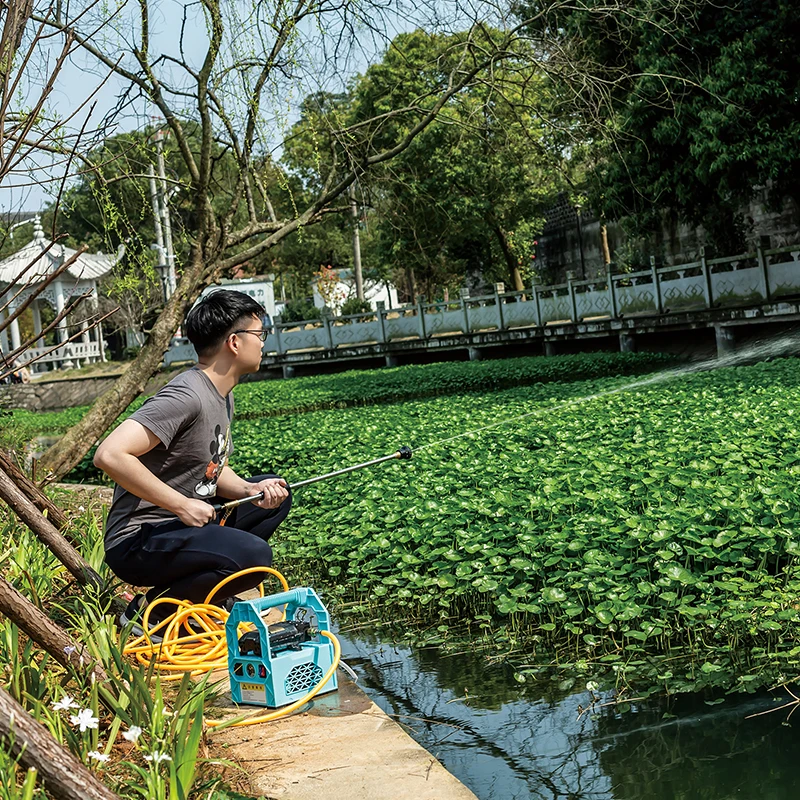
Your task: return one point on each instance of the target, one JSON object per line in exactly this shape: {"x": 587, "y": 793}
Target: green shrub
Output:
{"x": 355, "y": 306}
{"x": 300, "y": 310}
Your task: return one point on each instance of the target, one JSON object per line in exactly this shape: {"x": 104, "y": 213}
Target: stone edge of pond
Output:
{"x": 343, "y": 746}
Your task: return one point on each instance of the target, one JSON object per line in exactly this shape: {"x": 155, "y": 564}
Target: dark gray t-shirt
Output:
{"x": 193, "y": 421}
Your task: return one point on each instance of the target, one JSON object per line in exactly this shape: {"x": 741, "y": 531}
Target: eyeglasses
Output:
{"x": 262, "y": 334}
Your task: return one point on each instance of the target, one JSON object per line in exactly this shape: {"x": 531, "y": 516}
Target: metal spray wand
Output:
{"x": 226, "y": 508}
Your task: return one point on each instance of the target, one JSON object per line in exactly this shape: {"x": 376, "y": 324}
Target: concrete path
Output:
{"x": 344, "y": 747}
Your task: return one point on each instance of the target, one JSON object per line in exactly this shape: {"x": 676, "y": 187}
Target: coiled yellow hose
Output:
{"x": 207, "y": 650}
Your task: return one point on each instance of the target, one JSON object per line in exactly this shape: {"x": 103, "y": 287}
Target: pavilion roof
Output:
{"x": 88, "y": 266}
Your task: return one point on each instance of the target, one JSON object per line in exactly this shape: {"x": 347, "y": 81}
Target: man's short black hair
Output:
{"x": 216, "y": 316}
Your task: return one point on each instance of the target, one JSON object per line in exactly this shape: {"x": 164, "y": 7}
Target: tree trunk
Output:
{"x": 44, "y": 529}
{"x": 604, "y": 243}
{"x": 511, "y": 261}
{"x": 73, "y": 446}
{"x": 411, "y": 285}
{"x": 65, "y": 778}
{"x": 16, "y": 18}
{"x": 42, "y": 630}
{"x": 33, "y": 492}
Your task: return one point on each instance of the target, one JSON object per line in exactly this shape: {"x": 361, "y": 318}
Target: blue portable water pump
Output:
{"x": 274, "y": 665}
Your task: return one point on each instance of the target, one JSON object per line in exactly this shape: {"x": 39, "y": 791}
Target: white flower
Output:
{"x": 84, "y": 719}
{"x": 65, "y": 704}
{"x": 157, "y": 757}
{"x": 592, "y": 686}
{"x": 98, "y": 756}
{"x": 132, "y": 734}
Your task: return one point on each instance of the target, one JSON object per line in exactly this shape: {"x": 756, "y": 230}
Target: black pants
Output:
{"x": 187, "y": 563}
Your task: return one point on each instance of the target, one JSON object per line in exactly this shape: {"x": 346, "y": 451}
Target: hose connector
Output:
{"x": 404, "y": 452}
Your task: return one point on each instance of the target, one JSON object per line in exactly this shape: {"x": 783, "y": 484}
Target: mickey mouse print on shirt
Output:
{"x": 219, "y": 457}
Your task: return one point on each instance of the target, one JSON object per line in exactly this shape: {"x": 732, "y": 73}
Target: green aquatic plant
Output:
{"x": 415, "y": 381}
{"x": 655, "y": 520}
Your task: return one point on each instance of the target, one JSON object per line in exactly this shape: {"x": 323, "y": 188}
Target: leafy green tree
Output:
{"x": 702, "y": 111}
{"x": 468, "y": 192}
{"x": 466, "y": 195}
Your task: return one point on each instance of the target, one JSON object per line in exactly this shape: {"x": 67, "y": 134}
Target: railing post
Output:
{"x": 380, "y": 310}
{"x": 326, "y": 323}
{"x": 762, "y": 266}
{"x": 612, "y": 292}
{"x": 573, "y": 303}
{"x": 69, "y": 363}
{"x": 421, "y": 315}
{"x": 278, "y": 342}
{"x": 656, "y": 286}
{"x": 536, "y": 304}
{"x": 706, "y": 278}
{"x": 465, "y": 309}
{"x": 499, "y": 288}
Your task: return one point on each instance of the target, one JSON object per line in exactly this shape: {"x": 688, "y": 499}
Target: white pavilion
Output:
{"x": 77, "y": 279}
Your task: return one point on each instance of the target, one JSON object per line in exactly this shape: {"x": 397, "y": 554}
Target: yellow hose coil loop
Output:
{"x": 207, "y": 649}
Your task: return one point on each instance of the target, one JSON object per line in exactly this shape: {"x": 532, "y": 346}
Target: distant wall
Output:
{"x": 560, "y": 244}
{"x": 68, "y": 393}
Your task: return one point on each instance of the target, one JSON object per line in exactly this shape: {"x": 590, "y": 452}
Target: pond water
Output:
{"x": 511, "y": 742}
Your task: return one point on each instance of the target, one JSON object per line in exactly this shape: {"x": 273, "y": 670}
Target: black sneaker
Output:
{"x": 229, "y": 602}
{"x": 133, "y": 614}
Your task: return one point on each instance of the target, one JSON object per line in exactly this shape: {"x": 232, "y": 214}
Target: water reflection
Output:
{"x": 509, "y": 742}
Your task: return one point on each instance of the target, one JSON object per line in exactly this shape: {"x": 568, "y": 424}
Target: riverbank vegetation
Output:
{"x": 140, "y": 741}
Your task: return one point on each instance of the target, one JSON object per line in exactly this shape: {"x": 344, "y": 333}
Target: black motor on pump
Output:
{"x": 287, "y": 635}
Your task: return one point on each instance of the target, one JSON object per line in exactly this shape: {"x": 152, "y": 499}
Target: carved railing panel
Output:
{"x": 554, "y": 304}
{"x": 403, "y": 326}
{"x": 742, "y": 284}
{"x": 784, "y": 276}
{"x": 483, "y": 316}
{"x": 521, "y": 314}
{"x": 592, "y": 300}
{"x": 636, "y": 294}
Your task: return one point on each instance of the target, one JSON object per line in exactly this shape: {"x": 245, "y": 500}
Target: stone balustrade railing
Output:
{"x": 747, "y": 279}
{"x": 67, "y": 356}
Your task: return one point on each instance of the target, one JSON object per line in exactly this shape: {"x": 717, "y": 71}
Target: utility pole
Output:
{"x": 159, "y": 245}
{"x": 356, "y": 242}
{"x": 164, "y": 198}
{"x": 159, "y": 196}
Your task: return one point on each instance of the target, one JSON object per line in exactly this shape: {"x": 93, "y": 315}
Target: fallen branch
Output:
{"x": 33, "y": 492}
{"x": 47, "y": 533}
{"x": 44, "y": 632}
